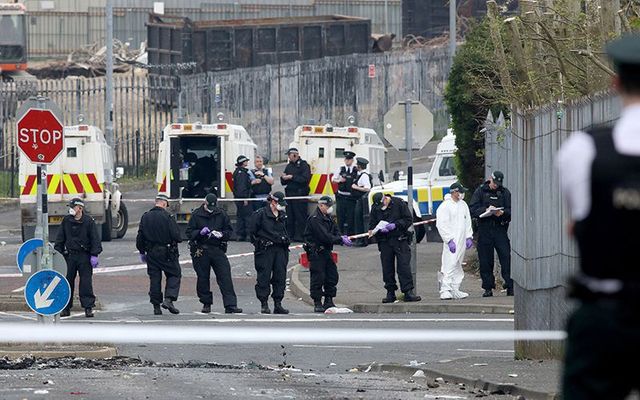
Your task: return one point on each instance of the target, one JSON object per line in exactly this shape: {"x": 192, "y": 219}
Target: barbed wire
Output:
{"x": 176, "y": 66}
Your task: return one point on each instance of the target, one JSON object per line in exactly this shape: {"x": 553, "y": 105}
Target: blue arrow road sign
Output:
{"x": 27, "y": 248}
{"x": 47, "y": 292}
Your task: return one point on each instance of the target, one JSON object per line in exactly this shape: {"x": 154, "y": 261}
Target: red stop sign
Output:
{"x": 40, "y": 136}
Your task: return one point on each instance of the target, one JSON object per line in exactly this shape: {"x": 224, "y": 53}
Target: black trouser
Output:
{"x": 213, "y": 257}
{"x": 395, "y": 255}
{"x": 271, "y": 267}
{"x": 296, "y": 218}
{"x": 79, "y": 264}
{"x": 346, "y": 214}
{"x": 324, "y": 275}
{"x": 360, "y": 215}
{"x": 494, "y": 236}
{"x": 242, "y": 218}
{"x": 158, "y": 261}
{"x": 602, "y": 335}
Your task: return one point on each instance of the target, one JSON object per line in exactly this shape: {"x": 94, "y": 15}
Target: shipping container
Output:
{"x": 229, "y": 44}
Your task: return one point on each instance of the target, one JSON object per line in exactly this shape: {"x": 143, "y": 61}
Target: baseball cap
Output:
{"x": 162, "y": 196}
{"x": 497, "y": 177}
{"x": 211, "y": 200}
{"x": 292, "y": 150}
{"x": 325, "y": 200}
{"x": 241, "y": 159}
{"x": 377, "y": 198}
{"x": 457, "y": 187}
{"x": 76, "y": 202}
{"x": 279, "y": 197}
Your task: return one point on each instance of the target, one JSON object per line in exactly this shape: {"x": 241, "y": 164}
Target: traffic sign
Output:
{"x": 27, "y": 263}
{"x": 28, "y": 248}
{"x": 395, "y": 128}
{"x": 47, "y": 292}
{"x": 40, "y": 136}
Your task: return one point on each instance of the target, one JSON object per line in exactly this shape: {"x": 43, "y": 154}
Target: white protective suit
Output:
{"x": 454, "y": 222}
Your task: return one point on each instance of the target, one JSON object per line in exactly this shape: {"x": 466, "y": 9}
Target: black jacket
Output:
{"x": 397, "y": 213}
{"x": 299, "y": 184}
{"x": 241, "y": 183}
{"x": 78, "y": 236}
{"x": 265, "y": 225}
{"x": 218, "y": 220}
{"x": 484, "y": 197}
{"x": 321, "y": 231}
{"x": 263, "y": 187}
{"x": 157, "y": 228}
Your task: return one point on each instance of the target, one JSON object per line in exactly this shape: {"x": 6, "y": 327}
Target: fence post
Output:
{"x": 137, "y": 153}
{"x": 12, "y": 182}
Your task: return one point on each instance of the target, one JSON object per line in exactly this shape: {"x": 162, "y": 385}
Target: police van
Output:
{"x": 429, "y": 188}
{"x": 322, "y": 146}
{"x": 84, "y": 169}
{"x": 196, "y": 159}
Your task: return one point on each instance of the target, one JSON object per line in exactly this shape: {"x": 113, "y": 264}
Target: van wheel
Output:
{"x": 122, "y": 221}
{"x": 107, "y": 225}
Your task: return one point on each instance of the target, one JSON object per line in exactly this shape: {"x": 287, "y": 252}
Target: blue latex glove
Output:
{"x": 452, "y": 246}
{"x": 205, "y": 231}
{"x": 143, "y": 258}
{"x": 346, "y": 241}
{"x": 94, "y": 261}
{"x": 390, "y": 227}
{"x": 469, "y": 243}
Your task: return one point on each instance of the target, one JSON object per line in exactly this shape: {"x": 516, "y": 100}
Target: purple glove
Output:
{"x": 205, "y": 231}
{"x": 469, "y": 243}
{"x": 143, "y": 258}
{"x": 390, "y": 227}
{"x": 452, "y": 246}
{"x": 94, "y": 261}
{"x": 346, "y": 241}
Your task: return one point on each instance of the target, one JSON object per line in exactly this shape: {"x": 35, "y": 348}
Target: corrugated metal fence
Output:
{"x": 58, "y": 33}
{"x": 269, "y": 101}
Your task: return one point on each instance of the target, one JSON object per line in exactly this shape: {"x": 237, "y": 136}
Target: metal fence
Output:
{"x": 58, "y": 33}
{"x": 543, "y": 255}
{"x": 270, "y": 101}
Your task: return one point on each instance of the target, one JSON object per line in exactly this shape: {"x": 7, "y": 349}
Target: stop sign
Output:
{"x": 40, "y": 136}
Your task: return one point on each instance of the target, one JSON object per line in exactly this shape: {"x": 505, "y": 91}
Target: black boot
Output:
{"x": 232, "y": 310}
{"x": 391, "y": 297}
{"x": 510, "y": 291}
{"x": 411, "y": 296}
{"x": 88, "y": 313}
{"x": 168, "y": 304}
{"x": 278, "y": 309}
{"x": 65, "y": 313}
{"x": 264, "y": 307}
{"x": 328, "y": 302}
{"x": 487, "y": 293}
{"x": 206, "y": 309}
{"x": 317, "y": 305}
{"x": 157, "y": 310}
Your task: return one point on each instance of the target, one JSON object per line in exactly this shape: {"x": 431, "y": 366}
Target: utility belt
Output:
{"x": 586, "y": 288}
{"x": 313, "y": 249}
{"x": 492, "y": 222}
{"x": 407, "y": 236}
{"x": 262, "y": 244}
{"x": 197, "y": 249}
{"x": 171, "y": 250}
{"x": 78, "y": 251}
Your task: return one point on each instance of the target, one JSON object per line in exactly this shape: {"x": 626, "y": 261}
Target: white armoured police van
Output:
{"x": 323, "y": 147}
{"x": 83, "y": 170}
{"x": 429, "y": 188}
{"x": 197, "y": 159}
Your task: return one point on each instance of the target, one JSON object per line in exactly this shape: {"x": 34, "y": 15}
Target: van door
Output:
{"x": 175, "y": 162}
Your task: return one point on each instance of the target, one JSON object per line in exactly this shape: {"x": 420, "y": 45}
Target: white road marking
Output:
{"x": 11, "y": 275}
{"x": 268, "y": 320}
{"x": 486, "y": 351}
{"x": 29, "y": 317}
{"x": 20, "y": 289}
{"x": 331, "y": 347}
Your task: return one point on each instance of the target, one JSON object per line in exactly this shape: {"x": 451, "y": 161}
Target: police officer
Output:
{"x": 79, "y": 242}
{"x": 393, "y": 243}
{"x": 600, "y": 177}
{"x": 491, "y": 205}
{"x": 320, "y": 234}
{"x": 345, "y": 177}
{"x": 268, "y": 233}
{"x": 261, "y": 182}
{"x": 242, "y": 190}
{"x": 359, "y": 190}
{"x": 157, "y": 242}
{"x": 295, "y": 179}
{"x": 209, "y": 231}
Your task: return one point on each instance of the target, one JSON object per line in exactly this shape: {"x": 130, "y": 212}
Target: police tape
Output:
{"x": 225, "y": 199}
{"x": 118, "y": 333}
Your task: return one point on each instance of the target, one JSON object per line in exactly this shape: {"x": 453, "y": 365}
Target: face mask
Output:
{"x": 330, "y": 210}
{"x": 281, "y": 208}
{"x": 72, "y": 212}
{"x": 461, "y": 196}
{"x": 207, "y": 209}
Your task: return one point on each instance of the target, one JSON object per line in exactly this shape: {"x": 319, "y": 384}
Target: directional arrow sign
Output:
{"x": 47, "y": 292}
{"x": 25, "y": 250}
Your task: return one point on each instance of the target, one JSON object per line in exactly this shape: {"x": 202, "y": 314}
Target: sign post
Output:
{"x": 41, "y": 139}
{"x": 408, "y": 126}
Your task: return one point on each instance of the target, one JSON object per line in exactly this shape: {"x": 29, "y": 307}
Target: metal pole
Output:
{"x": 409, "y": 146}
{"x": 452, "y": 30}
{"x": 109, "y": 71}
{"x": 386, "y": 17}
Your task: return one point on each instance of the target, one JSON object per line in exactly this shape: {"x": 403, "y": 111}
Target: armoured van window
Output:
{"x": 321, "y": 152}
{"x": 72, "y": 152}
{"x": 447, "y": 167}
{"x": 200, "y": 166}
{"x": 12, "y": 29}
{"x": 339, "y": 153}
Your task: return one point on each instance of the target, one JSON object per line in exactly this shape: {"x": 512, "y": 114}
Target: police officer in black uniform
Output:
{"x": 157, "y": 242}
{"x": 492, "y": 231}
{"x": 242, "y": 190}
{"x": 600, "y": 177}
{"x": 393, "y": 243}
{"x": 261, "y": 182}
{"x": 359, "y": 190}
{"x": 295, "y": 179}
{"x": 345, "y": 177}
{"x": 79, "y": 242}
{"x": 320, "y": 234}
{"x": 209, "y": 231}
{"x": 268, "y": 233}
